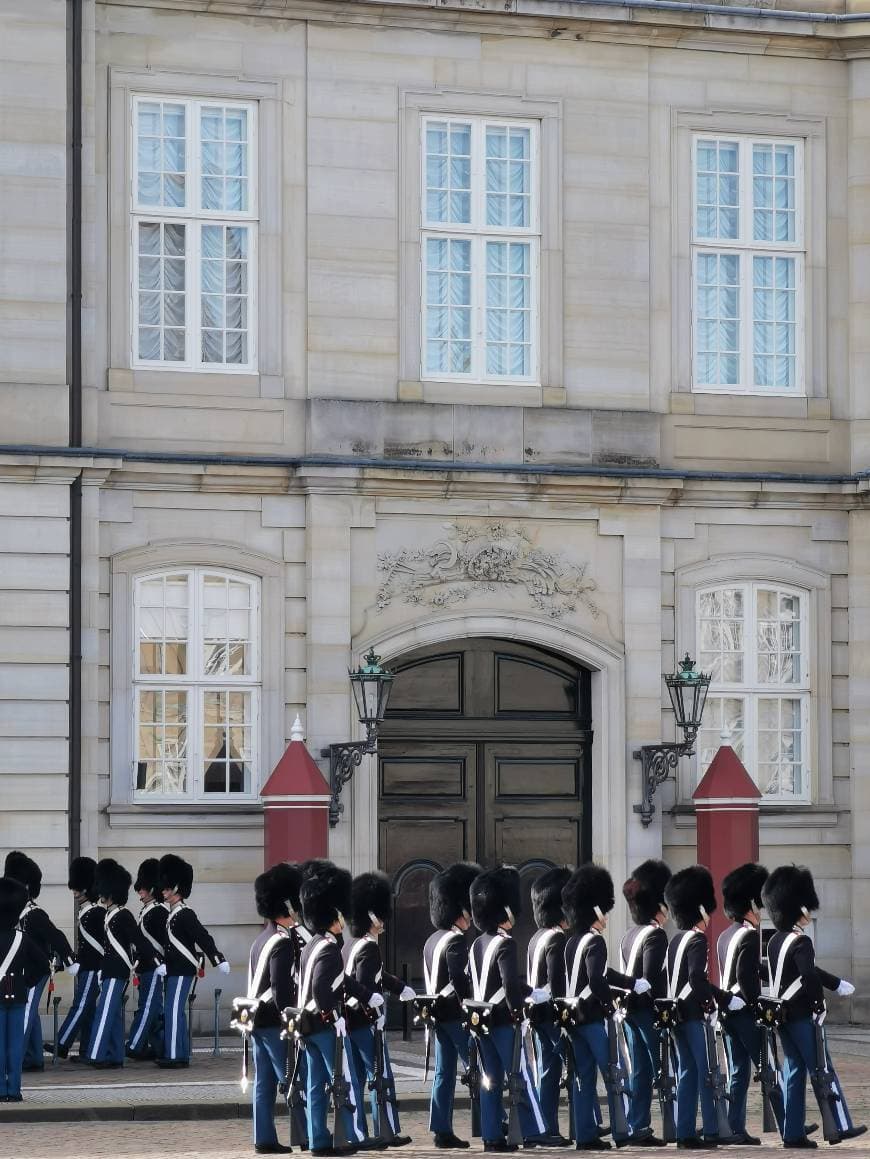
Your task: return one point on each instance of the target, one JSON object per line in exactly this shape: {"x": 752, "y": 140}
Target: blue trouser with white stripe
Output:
{"x": 77, "y": 1024}
{"x": 692, "y": 1071}
{"x": 33, "y": 1026}
{"x": 496, "y": 1058}
{"x": 591, "y": 1048}
{"x": 798, "y": 1040}
{"x": 146, "y": 1030}
{"x": 11, "y": 1047}
{"x": 270, "y": 1063}
{"x": 107, "y": 1033}
{"x": 742, "y": 1040}
{"x": 644, "y": 1052}
{"x": 320, "y": 1049}
{"x": 547, "y": 1038}
{"x": 176, "y": 1039}
{"x": 451, "y": 1044}
{"x": 363, "y": 1048}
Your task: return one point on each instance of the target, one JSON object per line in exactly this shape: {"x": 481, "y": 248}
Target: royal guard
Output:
{"x": 36, "y": 923}
{"x": 326, "y": 898}
{"x": 271, "y": 983}
{"x": 445, "y": 970}
{"x": 185, "y": 935}
{"x": 545, "y": 969}
{"x": 145, "y": 1040}
{"x": 691, "y": 899}
{"x": 126, "y": 952}
{"x": 587, "y": 898}
{"x": 22, "y": 964}
{"x": 789, "y": 895}
{"x": 643, "y": 951}
{"x": 496, "y": 983}
{"x": 739, "y": 954}
{"x": 89, "y": 958}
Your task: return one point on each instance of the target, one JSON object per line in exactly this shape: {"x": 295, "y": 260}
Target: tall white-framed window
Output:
{"x": 196, "y": 685}
{"x": 748, "y": 259}
{"x": 480, "y": 249}
{"x": 194, "y": 233}
{"x": 753, "y": 639}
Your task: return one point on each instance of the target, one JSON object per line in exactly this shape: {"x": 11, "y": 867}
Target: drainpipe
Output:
{"x": 74, "y": 376}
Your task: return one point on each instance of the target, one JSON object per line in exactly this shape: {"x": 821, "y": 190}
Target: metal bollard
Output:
{"x": 55, "y": 1002}
{"x": 217, "y": 1030}
{"x": 406, "y": 1009}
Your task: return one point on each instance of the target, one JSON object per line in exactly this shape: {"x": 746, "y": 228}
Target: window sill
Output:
{"x": 786, "y": 816}
{"x": 749, "y": 405}
{"x": 244, "y": 814}
{"x": 209, "y": 383}
{"x": 481, "y": 393}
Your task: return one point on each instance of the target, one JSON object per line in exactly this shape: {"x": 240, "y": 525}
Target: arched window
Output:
{"x": 196, "y": 685}
{"x": 753, "y": 638}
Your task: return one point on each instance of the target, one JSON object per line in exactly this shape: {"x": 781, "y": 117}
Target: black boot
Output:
{"x": 447, "y": 1141}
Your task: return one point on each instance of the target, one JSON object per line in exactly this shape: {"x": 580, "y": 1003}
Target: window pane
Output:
{"x": 161, "y": 153}
{"x": 780, "y": 747}
{"x": 448, "y": 172}
{"x": 717, "y": 327}
{"x": 773, "y": 193}
{"x": 508, "y": 169}
{"x": 778, "y": 638}
{"x": 774, "y": 318}
{"x": 161, "y": 743}
{"x": 162, "y": 626}
{"x": 224, "y": 276}
{"x": 226, "y": 627}
{"x": 227, "y": 735}
{"x": 722, "y": 714}
{"x": 161, "y": 296}
{"x": 508, "y": 309}
{"x": 721, "y": 635}
{"x": 448, "y": 305}
{"x": 717, "y": 190}
{"x": 224, "y": 158}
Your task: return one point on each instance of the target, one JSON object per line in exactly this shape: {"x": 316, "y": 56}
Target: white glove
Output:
{"x": 408, "y": 993}
{"x": 160, "y": 970}
{"x": 376, "y": 1000}
{"x": 340, "y": 1028}
{"x": 736, "y": 1004}
{"x": 74, "y": 967}
{"x": 381, "y": 1021}
{"x": 224, "y": 967}
{"x": 845, "y": 989}
{"x": 539, "y": 994}
{"x": 642, "y": 986}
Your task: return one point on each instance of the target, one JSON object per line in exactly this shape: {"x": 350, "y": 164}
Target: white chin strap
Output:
{"x": 805, "y": 911}
{"x": 510, "y": 914}
{"x": 375, "y": 920}
{"x": 291, "y": 912}
{"x": 704, "y": 915}
{"x": 598, "y": 913}
{"x": 754, "y": 908}
{"x": 467, "y": 916}
{"x": 340, "y": 918}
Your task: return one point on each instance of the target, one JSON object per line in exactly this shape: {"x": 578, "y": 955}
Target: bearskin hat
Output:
{"x": 547, "y": 896}
{"x": 81, "y": 876}
{"x": 324, "y": 896}
{"x": 645, "y": 890}
{"x": 148, "y": 877}
{"x": 448, "y": 893}
{"x": 371, "y": 894}
{"x": 493, "y": 893}
{"x": 175, "y": 874}
{"x": 588, "y": 889}
{"x": 277, "y": 891}
{"x": 787, "y": 893}
{"x": 741, "y": 889}
{"x": 315, "y": 865}
{"x": 112, "y": 881}
{"x": 22, "y": 868}
{"x": 687, "y": 892}
{"x": 13, "y": 899}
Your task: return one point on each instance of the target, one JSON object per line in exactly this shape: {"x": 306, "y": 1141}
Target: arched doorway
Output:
{"x": 485, "y": 755}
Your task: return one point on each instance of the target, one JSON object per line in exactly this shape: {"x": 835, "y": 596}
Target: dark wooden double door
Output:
{"x": 484, "y": 756}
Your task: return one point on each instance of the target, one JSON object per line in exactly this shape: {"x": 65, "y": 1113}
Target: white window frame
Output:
{"x": 193, "y": 218}
{"x": 748, "y": 249}
{"x": 478, "y": 233}
{"x": 196, "y": 684}
{"x": 751, "y": 691}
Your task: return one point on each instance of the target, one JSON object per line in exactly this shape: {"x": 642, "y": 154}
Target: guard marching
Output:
{"x": 89, "y": 958}
{"x": 146, "y": 1031}
{"x": 445, "y": 973}
{"x": 22, "y": 964}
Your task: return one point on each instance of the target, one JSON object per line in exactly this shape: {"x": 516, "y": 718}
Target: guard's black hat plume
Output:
{"x": 787, "y": 893}
{"x": 112, "y": 881}
{"x": 176, "y": 874}
{"x": 371, "y": 894}
{"x": 741, "y": 890}
{"x": 13, "y": 899}
{"x": 493, "y": 893}
{"x": 588, "y": 890}
{"x": 325, "y": 895}
{"x": 22, "y": 868}
{"x": 645, "y": 890}
{"x": 687, "y": 893}
{"x": 81, "y": 876}
{"x": 448, "y": 893}
{"x": 547, "y": 896}
{"x": 148, "y": 877}
{"x": 277, "y": 891}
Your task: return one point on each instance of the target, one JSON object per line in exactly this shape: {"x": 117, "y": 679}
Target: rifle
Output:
{"x": 826, "y": 1093}
{"x": 614, "y": 1082}
{"x": 516, "y": 1086}
{"x": 244, "y": 1010}
{"x": 342, "y": 1099}
{"x": 294, "y": 1095}
{"x": 666, "y": 1086}
{"x": 471, "y": 1079}
{"x": 768, "y": 1016}
{"x": 569, "y": 1079}
{"x": 380, "y": 1085}
{"x": 716, "y": 1080}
